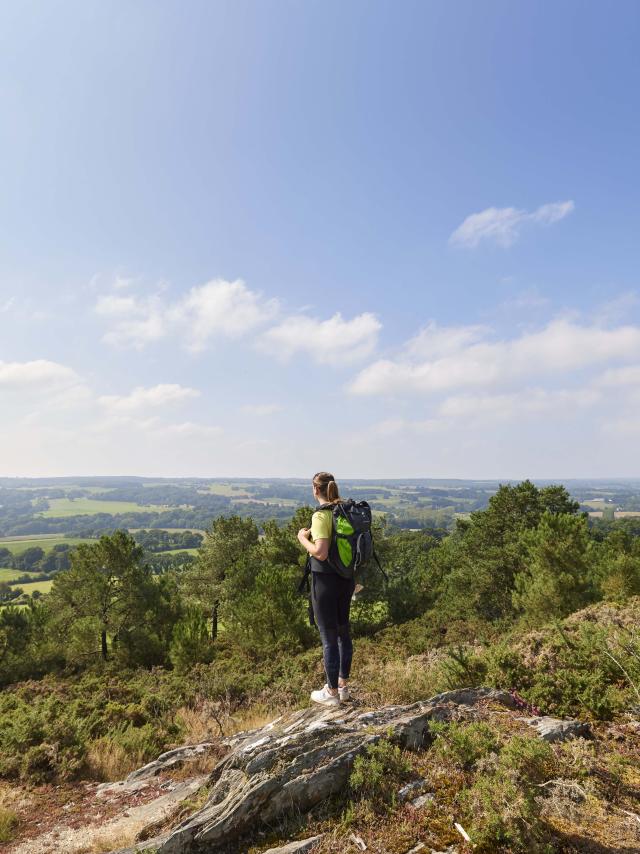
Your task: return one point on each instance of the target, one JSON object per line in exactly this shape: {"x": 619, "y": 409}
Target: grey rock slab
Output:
{"x": 121, "y": 787}
{"x": 299, "y": 847}
{"x": 300, "y": 759}
{"x": 420, "y": 802}
{"x": 554, "y": 729}
{"x": 169, "y": 759}
{"x": 147, "y": 845}
{"x": 406, "y": 791}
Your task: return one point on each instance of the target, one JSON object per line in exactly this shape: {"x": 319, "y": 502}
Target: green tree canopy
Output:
{"x": 103, "y": 595}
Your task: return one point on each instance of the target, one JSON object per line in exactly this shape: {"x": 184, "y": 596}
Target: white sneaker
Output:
{"x": 325, "y": 697}
{"x": 344, "y": 694}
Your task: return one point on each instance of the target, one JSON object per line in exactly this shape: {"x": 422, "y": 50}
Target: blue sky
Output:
{"x": 268, "y": 238}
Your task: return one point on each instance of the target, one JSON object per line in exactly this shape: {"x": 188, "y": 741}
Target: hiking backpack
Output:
{"x": 351, "y": 540}
{"x": 351, "y": 543}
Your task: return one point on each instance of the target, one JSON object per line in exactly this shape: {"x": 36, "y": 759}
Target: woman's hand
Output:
{"x": 304, "y": 534}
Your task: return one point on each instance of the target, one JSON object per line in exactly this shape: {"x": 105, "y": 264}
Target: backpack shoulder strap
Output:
{"x": 384, "y": 574}
{"x": 303, "y": 587}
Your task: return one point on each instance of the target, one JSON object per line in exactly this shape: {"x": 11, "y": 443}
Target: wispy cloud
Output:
{"x": 39, "y": 372}
{"x": 616, "y": 377}
{"x": 261, "y": 409}
{"x": 216, "y": 310}
{"x": 497, "y": 407}
{"x": 559, "y": 348}
{"x": 142, "y": 398}
{"x": 328, "y": 342}
{"x": 189, "y": 430}
{"x": 502, "y": 226}
{"x": 435, "y": 341}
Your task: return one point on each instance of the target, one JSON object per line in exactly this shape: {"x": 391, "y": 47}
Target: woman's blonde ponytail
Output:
{"x": 332, "y": 491}
{"x": 326, "y": 484}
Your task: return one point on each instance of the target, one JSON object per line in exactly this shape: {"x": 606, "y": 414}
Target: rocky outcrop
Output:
{"x": 301, "y": 758}
{"x": 172, "y": 758}
{"x": 299, "y": 847}
{"x": 555, "y": 729}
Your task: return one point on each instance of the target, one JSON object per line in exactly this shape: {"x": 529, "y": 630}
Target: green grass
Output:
{"x": 225, "y": 490}
{"x": 285, "y": 502}
{"x": 175, "y": 552}
{"x": 61, "y": 507}
{"x": 16, "y": 545}
{"x": 32, "y": 586}
{"x": 11, "y": 574}
{"x": 169, "y": 530}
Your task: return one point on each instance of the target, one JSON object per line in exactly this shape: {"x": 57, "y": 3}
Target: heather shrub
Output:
{"x": 463, "y": 744}
{"x": 376, "y": 774}
{"x": 8, "y": 824}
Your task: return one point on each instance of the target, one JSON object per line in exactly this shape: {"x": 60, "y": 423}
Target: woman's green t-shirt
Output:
{"x": 321, "y": 525}
{"x": 321, "y": 529}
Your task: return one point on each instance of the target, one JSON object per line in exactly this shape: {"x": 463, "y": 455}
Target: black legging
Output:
{"x": 331, "y": 599}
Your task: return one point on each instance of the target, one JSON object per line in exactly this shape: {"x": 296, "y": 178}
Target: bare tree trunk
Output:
{"x": 105, "y": 651}
{"x": 214, "y": 620}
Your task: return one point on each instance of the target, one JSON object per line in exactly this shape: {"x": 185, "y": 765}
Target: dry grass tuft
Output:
{"x": 253, "y": 718}
{"x": 108, "y": 762}
{"x": 109, "y": 840}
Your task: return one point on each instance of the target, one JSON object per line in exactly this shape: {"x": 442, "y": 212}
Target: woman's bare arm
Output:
{"x": 319, "y": 549}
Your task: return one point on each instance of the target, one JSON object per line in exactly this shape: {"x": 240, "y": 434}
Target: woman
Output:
{"x": 330, "y": 595}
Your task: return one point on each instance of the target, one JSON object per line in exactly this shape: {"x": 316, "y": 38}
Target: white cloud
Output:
{"x": 135, "y": 321}
{"x": 525, "y": 301}
{"x": 434, "y": 341}
{"x": 144, "y": 398}
{"x": 217, "y": 309}
{"x": 329, "y": 342}
{"x": 394, "y": 426}
{"x": 188, "y": 429}
{"x": 39, "y": 372}
{"x": 618, "y": 309}
{"x": 261, "y": 409}
{"x": 514, "y": 405}
{"x": 114, "y": 306}
{"x": 7, "y": 305}
{"x": 122, "y": 282}
{"x": 502, "y": 225}
{"x": 553, "y": 212}
{"x": 560, "y": 347}
{"x": 220, "y": 308}
{"x": 616, "y": 377}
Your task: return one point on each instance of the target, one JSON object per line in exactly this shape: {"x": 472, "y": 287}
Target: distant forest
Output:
{"x": 48, "y": 506}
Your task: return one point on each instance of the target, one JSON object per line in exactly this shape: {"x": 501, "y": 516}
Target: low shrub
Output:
{"x": 502, "y": 811}
{"x": 463, "y": 744}
{"x": 8, "y": 824}
{"x": 376, "y": 774}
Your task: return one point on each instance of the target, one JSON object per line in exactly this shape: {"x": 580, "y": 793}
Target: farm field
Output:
{"x": 60, "y": 507}
{"x": 225, "y": 489}
{"x": 16, "y": 545}
{"x": 11, "y": 574}
{"x": 283, "y": 502}
{"x": 178, "y": 551}
{"x": 169, "y": 530}
{"x": 618, "y": 514}
{"x": 32, "y": 586}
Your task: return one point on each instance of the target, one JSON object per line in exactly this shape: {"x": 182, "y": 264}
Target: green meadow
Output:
{"x": 11, "y": 574}
{"x": 179, "y": 551}
{"x": 16, "y": 545}
{"x": 60, "y": 507}
{"x": 32, "y": 586}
